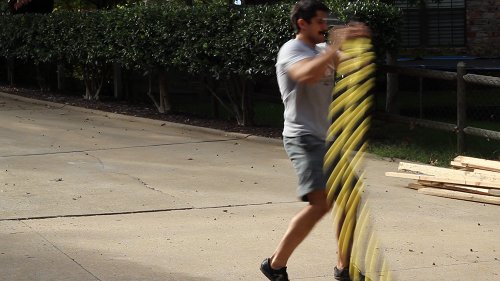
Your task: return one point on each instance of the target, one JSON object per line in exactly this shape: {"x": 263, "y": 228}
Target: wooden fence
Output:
{"x": 461, "y": 77}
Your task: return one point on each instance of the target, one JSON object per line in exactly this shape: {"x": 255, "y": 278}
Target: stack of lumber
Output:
{"x": 469, "y": 178}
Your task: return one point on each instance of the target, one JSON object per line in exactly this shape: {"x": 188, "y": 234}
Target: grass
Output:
{"x": 425, "y": 145}
{"x": 414, "y": 144}
{"x": 433, "y": 146}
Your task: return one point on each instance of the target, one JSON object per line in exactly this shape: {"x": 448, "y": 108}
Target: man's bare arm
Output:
{"x": 311, "y": 70}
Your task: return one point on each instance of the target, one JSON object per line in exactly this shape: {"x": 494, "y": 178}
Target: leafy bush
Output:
{"x": 215, "y": 39}
{"x": 384, "y": 21}
{"x": 228, "y": 44}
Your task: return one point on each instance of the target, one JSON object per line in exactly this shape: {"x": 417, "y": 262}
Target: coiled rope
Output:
{"x": 346, "y": 141}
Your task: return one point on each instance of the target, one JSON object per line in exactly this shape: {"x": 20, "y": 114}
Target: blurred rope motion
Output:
{"x": 346, "y": 140}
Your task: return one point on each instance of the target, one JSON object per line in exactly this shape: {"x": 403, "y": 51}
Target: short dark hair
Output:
{"x": 306, "y": 10}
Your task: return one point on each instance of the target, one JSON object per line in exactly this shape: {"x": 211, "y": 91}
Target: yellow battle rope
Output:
{"x": 346, "y": 139}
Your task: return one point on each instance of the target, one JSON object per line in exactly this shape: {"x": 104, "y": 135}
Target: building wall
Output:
{"x": 483, "y": 27}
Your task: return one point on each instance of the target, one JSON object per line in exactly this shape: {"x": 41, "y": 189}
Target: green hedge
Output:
{"x": 218, "y": 40}
{"x": 226, "y": 46}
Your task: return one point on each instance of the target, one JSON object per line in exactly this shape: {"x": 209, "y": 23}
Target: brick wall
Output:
{"x": 483, "y": 27}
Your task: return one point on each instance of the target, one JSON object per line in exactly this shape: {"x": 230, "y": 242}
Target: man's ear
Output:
{"x": 301, "y": 23}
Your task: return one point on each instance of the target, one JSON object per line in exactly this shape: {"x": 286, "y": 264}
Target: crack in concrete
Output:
{"x": 124, "y": 174}
{"x": 61, "y": 251}
{"x": 147, "y": 185}
{"x": 97, "y": 158}
{"x": 147, "y": 211}
{"x": 115, "y": 148}
{"x": 143, "y": 183}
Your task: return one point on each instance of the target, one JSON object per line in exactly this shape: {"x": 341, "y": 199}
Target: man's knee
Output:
{"x": 322, "y": 208}
{"x": 318, "y": 201}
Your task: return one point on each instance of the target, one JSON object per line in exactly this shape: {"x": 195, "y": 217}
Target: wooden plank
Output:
{"x": 463, "y": 167}
{"x": 415, "y": 186}
{"x": 426, "y": 169}
{"x": 466, "y": 188}
{"x": 446, "y": 172}
{"x": 456, "y": 187}
{"x": 456, "y": 164}
{"x": 460, "y": 195}
{"x": 494, "y": 192}
{"x": 430, "y": 183}
{"x": 487, "y": 173}
{"x": 479, "y": 163}
{"x": 458, "y": 180}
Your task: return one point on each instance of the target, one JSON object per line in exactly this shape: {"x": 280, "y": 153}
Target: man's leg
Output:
{"x": 299, "y": 227}
{"x": 342, "y": 261}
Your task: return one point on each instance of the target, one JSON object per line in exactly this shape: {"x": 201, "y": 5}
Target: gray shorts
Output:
{"x": 307, "y": 153}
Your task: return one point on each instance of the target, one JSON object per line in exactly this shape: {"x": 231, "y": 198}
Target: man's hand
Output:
{"x": 311, "y": 70}
{"x": 339, "y": 34}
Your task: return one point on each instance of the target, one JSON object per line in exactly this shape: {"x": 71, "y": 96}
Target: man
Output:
{"x": 305, "y": 77}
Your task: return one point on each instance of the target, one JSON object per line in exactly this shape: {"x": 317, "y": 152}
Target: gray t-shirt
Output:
{"x": 306, "y": 106}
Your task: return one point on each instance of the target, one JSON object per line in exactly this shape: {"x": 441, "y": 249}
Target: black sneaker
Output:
{"x": 341, "y": 274}
{"x": 273, "y": 274}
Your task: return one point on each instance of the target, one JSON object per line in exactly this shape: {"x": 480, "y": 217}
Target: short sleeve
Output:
{"x": 291, "y": 53}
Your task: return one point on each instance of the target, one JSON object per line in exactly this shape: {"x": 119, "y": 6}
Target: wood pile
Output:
{"x": 471, "y": 179}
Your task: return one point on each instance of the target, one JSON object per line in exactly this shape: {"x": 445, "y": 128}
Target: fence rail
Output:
{"x": 417, "y": 122}
{"x": 419, "y": 72}
{"x": 482, "y": 80}
{"x": 460, "y": 128}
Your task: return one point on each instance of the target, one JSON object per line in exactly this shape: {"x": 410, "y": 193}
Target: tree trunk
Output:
{"x": 215, "y": 107}
{"x": 10, "y": 72}
{"x": 61, "y": 77}
{"x": 244, "y": 100}
{"x": 234, "y": 91}
{"x": 88, "y": 90}
{"x": 126, "y": 88}
{"x": 118, "y": 81}
{"x": 213, "y": 100}
{"x": 89, "y": 84}
{"x": 165, "y": 104}
{"x": 41, "y": 77}
{"x": 94, "y": 80}
{"x": 211, "y": 87}
{"x": 247, "y": 102}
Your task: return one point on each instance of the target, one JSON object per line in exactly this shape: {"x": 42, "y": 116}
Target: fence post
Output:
{"x": 461, "y": 107}
{"x": 420, "y": 94}
{"x": 392, "y": 86}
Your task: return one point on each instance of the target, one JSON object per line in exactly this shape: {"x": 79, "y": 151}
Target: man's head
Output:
{"x": 306, "y": 10}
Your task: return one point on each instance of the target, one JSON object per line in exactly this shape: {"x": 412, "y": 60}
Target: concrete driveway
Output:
{"x": 89, "y": 195}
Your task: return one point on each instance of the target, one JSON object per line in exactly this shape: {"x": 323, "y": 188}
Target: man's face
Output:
{"x": 315, "y": 30}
